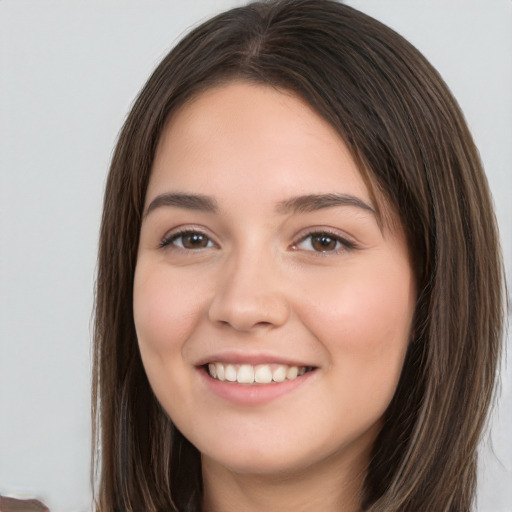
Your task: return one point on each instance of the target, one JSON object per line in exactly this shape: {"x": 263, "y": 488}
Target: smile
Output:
{"x": 255, "y": 374}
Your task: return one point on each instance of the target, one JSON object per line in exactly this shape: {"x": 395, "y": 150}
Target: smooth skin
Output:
{"x": 232, "y": 265}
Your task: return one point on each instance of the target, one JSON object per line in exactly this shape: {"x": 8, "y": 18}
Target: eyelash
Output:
{"x": 170, "y": 239}
{"x": 341, "y": 243}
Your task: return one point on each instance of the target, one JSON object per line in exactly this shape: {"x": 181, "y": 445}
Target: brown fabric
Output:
{"x": 15, "y": 505}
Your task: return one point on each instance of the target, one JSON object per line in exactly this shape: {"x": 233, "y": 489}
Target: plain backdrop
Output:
{"x": 69, "y": 71}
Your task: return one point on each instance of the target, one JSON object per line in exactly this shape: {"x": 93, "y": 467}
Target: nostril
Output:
{"x": 245, "y": 306}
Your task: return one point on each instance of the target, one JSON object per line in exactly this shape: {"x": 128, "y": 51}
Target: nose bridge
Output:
{"x": 250, "y": 292}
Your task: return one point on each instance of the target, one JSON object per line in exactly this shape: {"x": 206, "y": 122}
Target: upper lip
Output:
{"x": 236, "y": 357}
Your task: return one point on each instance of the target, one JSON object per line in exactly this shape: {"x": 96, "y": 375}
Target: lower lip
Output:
{"x": 252, "y": 394}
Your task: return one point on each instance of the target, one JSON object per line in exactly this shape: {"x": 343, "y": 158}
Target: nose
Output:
{"x": 250, "y": 295}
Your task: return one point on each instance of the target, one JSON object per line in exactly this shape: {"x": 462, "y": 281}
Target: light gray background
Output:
{"x": 69, "y": 71}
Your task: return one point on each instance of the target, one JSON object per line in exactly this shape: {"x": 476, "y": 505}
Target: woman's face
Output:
{"x": 261, "y": 261}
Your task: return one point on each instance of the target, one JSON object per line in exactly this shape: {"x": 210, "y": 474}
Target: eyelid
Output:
{"x": 348, "y": 243}
{"x": 173, "y": 234}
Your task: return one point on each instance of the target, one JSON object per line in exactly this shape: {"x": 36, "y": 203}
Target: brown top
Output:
{"x": 15, "y": 505}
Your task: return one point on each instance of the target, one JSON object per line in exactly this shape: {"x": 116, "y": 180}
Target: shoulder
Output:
{"x": 8, "y": 504}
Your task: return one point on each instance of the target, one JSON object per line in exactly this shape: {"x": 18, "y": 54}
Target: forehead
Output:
{"x": 253, "y": 134}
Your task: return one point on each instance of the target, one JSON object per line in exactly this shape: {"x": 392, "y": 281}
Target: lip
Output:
{"x": 252, "y": 394}
{"x": 252, "y": 359}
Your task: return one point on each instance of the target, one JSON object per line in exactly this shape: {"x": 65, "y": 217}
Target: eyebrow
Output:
{"x": 299, "y": 204}
{"x": 180, "y": 200}
{"x": 313, "y": 202}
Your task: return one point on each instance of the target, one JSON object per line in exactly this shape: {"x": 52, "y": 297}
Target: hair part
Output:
{"x": 414, "y": 150}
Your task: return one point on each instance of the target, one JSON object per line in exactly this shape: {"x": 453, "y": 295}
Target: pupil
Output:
{"x": 324, "y": 243}
{"x": 194, "y": 240}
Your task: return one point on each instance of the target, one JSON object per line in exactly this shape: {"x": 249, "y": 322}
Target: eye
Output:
{"x": 323, "y": 242}
{"x": 188, "y": 240}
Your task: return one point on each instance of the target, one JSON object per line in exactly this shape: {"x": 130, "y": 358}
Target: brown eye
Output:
{"x": 189, "y": 240}
{"x": 323, "y": 242}
{"x": 194, "y": 241}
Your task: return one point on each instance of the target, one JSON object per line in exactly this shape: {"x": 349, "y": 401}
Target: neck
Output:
{"x": 329, "y": 486}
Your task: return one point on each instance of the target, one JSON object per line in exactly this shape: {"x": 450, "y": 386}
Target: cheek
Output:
{"x": 165, "y": 312}
{"x": 362, "y": 315}
{"x": 165, "y": 315}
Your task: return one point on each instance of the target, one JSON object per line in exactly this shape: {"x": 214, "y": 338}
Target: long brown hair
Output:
{"x": 413, "y": 147}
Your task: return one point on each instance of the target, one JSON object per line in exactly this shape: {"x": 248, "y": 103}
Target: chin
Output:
{"x": 295, "y": 458}
{"x": 258, "y": 464}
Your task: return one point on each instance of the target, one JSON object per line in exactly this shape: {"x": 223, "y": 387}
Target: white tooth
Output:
{"x": 302, "y": 371}
{"x": 279, "y": 374}
{"x": 212, "y": 370}
{"x": 263, "y": 374}
{"x": 230, "y": 373}
{"x": 292, "y": 372}
{"x": 245, "y": 374}
{"x": 219, "y": 368}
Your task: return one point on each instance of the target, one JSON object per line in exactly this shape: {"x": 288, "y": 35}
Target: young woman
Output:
{"x": 299, "y": 295}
